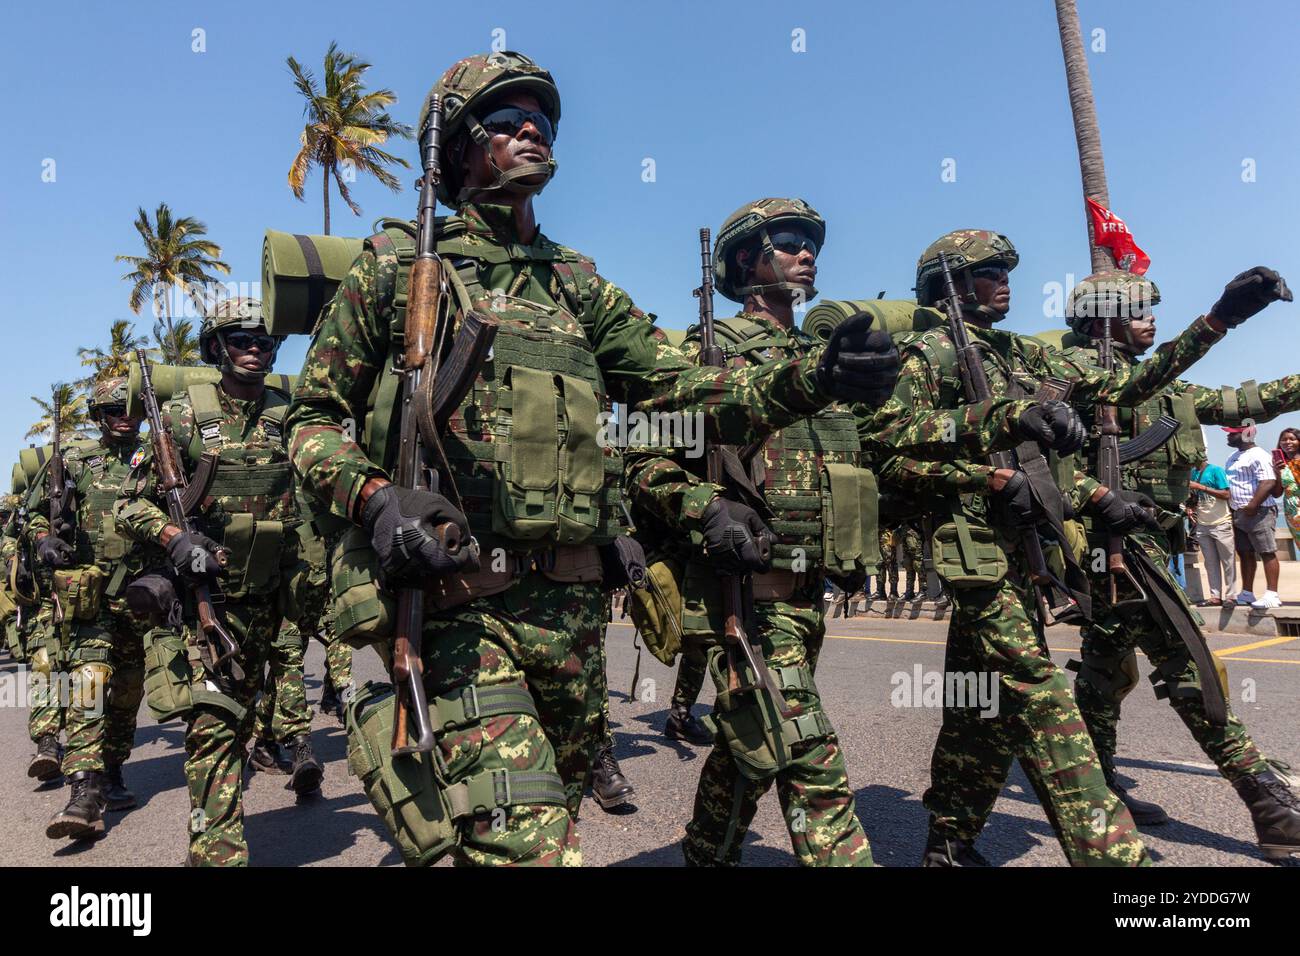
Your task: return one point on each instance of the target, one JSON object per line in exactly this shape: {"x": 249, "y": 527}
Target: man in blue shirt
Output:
{"x": 1209, "y": 483}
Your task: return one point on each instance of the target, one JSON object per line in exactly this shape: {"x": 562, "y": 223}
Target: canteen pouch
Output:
{"x": 78, "y": 591}
{"x": 14, "y": 640}
{"x": 406, "y": 791}
{"x": 167, "y": 675}
{"x": 968, "y": 555}
{"x": 656, "y": 610}
{"x": 363, "y": 613}
{"x": 254, "y": 547}
{"x": 850, "y": 506}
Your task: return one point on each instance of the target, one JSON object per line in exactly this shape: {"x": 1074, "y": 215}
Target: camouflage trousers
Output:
{"x": 106, "y": 658}
{"x": 549, "y": 638}
{"x": 994, "y": 639}
{"x": 691, "y": 671}
{"x": 1101, "y": 685}
{"x": 338, "y": 661}
{"x": 282, "y": 712}
{"x": 217, "y": 736}
{"x": 907, "y": 536}
{"x": 47, "y": 661}
{"x": 813, "y": 786}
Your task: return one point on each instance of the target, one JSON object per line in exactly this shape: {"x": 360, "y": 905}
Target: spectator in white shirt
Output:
{"x": 1252, "y": 481}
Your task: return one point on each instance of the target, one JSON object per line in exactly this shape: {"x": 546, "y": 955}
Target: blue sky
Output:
{"x": 859, "y": 124}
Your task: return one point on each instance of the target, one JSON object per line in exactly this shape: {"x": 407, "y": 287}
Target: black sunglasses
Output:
{"x": 996, "y": 271}
{"x": 116, "y": 411}
{"x": 793, "y": 242}
{"x": 510, "y": 120}
{"x": 244, "y": 341}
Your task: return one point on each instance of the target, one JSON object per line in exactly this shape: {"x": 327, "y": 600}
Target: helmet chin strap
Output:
{"x": 504, "y": 180}
{"x": 769, "y": 253}
{"x": 245, "y": 375}
{"x": 981, "y": 312}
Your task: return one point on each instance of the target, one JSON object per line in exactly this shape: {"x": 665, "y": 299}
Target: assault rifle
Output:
{"x": 733, "y": 586}
{"x": 1058, "y": 601}
{"x": 57, "y": 489}
{"x": 219, "y": 650}
{"x": 428, "y": 397}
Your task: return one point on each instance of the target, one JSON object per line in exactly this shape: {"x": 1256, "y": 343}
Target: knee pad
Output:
{"x": 40, "y": 661}
{"x": 1114, "y": 677}
{"x": 90, "y": 680}
{"x": 1176, "y": 678}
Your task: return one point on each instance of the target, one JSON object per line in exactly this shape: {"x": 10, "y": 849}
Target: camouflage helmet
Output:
{"x": 473, "y": 83}
{"x": 965, "y": 248}
{"x": 1110, "y": 292}
{"x": 107, "y": 392}
{"x": 234, "y": 313}
{"x": 759, "y": 219}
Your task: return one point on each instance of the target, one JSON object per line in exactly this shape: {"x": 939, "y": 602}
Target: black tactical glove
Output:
{"x": 1248, "y": 294}
{"x": 54, "y": 552}
{"x": 735, "y": 538}
{"x": 623, "y": 564}
{"x": 416, "y": 533}
{"x": 196, "y": 557}
{"x": 1014, "y": 504}
{"x": 1125, "y": 512}
{"x": 859, "y": 365}
{"x": 1055, "y": 425}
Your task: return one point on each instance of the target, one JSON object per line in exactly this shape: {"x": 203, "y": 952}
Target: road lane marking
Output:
{"x": 1258, "y": 644}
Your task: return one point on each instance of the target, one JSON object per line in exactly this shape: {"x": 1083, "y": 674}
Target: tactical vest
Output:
{"x": 254, "y": 539}
{"x": 522, "y": 447}
{"x": 824, "y": 503}
{"x": 1164, "y": 474}
{"x": 97, "y": 491}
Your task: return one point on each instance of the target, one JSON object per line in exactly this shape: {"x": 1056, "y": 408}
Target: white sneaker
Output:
{"x": 1246, "y": 597}
{"x": 1270, "y": 599}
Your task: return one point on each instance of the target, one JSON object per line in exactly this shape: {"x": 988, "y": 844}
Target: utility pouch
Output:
{"x": 758, "y": 738}
{"x": 582, "y": 463}
{"x": 968, "y": 555}
{"x": 850, "y": 506}
{"x": 167, "y": 675}
{"x": 254, "y": 547}
{"x": 78, "y": 591}
{"x": 363, "y": 613}
{"x": 14, "y": 640}
{"x": 528, "y": 467}
{"x": 656, "y": 610}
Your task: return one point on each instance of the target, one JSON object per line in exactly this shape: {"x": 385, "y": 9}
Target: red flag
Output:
{"x": 1109, "y": 232}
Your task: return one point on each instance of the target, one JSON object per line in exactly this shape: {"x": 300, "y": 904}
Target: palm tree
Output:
{"x": 1086, "y": 134}
{"x": 179, "y": 346}
{"x": 176, "y": 256}
{"x": 74, "y": 419}
{"x": 114, "y": 361}
{"x": 344, "y": 124}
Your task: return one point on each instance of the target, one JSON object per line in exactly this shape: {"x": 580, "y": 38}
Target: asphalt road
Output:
{"x": 887, "y": 748}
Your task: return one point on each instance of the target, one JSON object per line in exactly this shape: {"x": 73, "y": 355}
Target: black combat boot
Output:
{"x": 113, "y": 788}
{"x": 608, "y": 785}
{"x": 307, "y": 770}
{"x": 683, "y": 725}
{"x": 330, "y": 702}
{"x": 1145, "y": 813}
{"x": 910, "y": 593}
{"x": 49, "y": 755}
{"x": 950, "y": 851}
{"x": 1275, "y": 811}
{"x": 268, "y": 758}
{"x": 83, "y": 817}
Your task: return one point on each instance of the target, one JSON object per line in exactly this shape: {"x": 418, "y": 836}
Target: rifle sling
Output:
{"x": 1173, "y": 614}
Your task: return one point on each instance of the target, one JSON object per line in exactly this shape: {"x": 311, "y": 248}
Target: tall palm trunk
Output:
{"x": 325, "y": 188}
{"x": 1086, "y": 134}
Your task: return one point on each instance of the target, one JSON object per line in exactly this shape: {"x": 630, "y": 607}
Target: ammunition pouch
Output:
{"x": 171, "y": 666}
{"x": 968, "y": 554}
{"x": 1170, "y": 682}
{"x": 656, "y": 610}
{"x": 420, "y": 809}
{"x": 255, "y": 549}
{"x": 759, "y": 740}
{"x": 78, "y": 591}
{"x": 850, "y": 520}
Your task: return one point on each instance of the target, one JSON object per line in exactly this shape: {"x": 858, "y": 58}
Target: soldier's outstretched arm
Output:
{"x": 664, "y": 488}
{"x": 1228, "y": 406}
{"x": 350, "y": 348}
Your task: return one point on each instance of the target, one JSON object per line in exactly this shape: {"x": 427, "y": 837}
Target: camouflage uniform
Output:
{"x": 257, "y": 487}
{"x": 908, "y": 536}
{"x": 1107, "y": 671}
{"x": 994, "y": 627}
{"x": 104, "y": 655}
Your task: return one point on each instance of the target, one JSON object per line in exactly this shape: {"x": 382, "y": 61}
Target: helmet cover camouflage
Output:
{"x": 471, "y": 84}
{"x": 965, "y": 248}
{"x": 750, "y": 221}
{"x": 1110, "y": 292}
{"x": 239, "y": 312}
{"x": 107, "y": 392}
